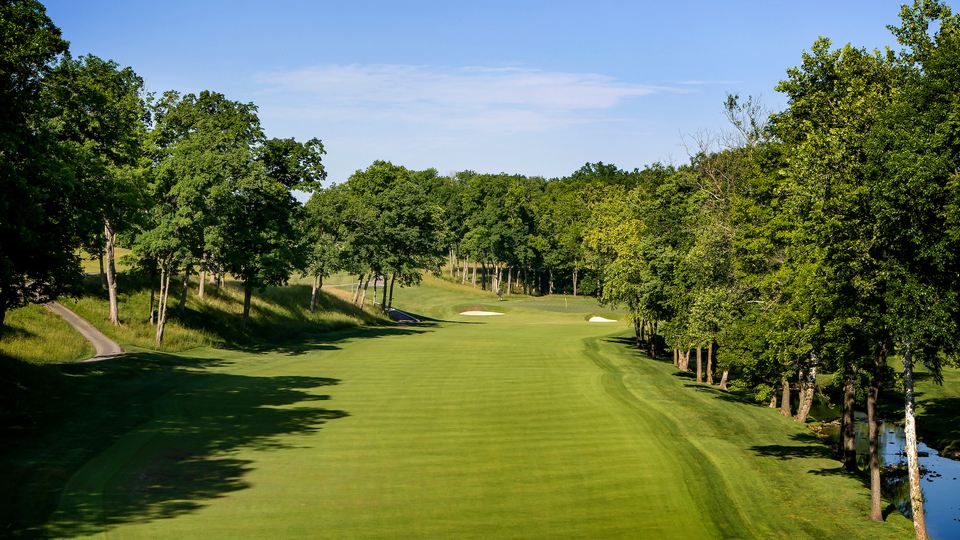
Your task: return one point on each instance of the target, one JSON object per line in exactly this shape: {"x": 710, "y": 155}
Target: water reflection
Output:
{"x": 941, "y": 489}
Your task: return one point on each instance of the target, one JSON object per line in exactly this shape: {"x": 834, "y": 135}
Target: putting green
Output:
{"x": 534, "y": 425}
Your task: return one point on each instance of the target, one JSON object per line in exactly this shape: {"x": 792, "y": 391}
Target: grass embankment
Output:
{"x": 276, "y": 314}
{"x": 938, "y": 409}
{"x": 36, "y": 335}
{"x": 535, "y": 424}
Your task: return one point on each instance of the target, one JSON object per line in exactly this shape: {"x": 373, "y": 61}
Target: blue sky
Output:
{"x": 529, "y": 87}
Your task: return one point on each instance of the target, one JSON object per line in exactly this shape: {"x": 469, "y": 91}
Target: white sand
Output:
{"x": 601, "y": 319}
{"x": 480, "y": 313}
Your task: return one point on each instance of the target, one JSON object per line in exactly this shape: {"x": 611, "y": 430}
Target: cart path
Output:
{"x": 106, "y": 347}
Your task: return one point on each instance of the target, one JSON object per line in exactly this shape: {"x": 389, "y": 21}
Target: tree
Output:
{"x": 98, "y": 109}
{"x": 41, "y": 198}
{"x": 915, "y": 202}
{"x": 320, "y": 228}
{"x": 204, "y": 148}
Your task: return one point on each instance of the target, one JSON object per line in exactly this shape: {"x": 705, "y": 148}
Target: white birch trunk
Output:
{"x": 913, "y": 461}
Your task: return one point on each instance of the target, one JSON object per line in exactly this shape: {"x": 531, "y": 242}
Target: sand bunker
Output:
{"x": 601, "y": 319}
{"x": 480, "y": 313}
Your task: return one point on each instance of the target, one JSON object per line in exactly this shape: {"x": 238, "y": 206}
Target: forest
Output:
{"x": 823, "y": 238}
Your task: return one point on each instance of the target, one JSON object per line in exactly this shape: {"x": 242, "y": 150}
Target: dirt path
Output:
{"x": 106, "y": 347}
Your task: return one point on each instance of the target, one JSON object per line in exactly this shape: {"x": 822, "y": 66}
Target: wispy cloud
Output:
{"x": 701, "y": 83}
{"x": 473, "y": 97}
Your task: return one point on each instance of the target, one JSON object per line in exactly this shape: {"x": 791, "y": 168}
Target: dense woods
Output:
{"x": 818, "y": 239}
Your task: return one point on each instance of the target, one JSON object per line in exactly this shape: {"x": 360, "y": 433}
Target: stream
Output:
{"x": 939, "y": 477}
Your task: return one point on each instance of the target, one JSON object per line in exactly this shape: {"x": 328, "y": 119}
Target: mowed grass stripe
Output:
{"x": 535, "y": 424}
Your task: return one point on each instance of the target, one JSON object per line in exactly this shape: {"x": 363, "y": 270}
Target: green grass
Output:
{"x": 938, "y": 408}
{"x": 35, "y": 335}
{"x": 276, "y": 314}
{"x": 91, "y": 263}
{"x": 534, "y": 424}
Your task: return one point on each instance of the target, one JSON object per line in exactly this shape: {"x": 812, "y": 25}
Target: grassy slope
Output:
{"x": 535, "y": 424}
{"x": 35, "y": 335}
{"x": 276, "y": 314}
{"x": 938, "y": 408}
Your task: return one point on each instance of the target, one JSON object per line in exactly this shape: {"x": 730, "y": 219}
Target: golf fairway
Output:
{"x": 535, "y": 424}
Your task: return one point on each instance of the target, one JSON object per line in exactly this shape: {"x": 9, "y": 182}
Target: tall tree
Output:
{"x": 204, "y": 147}
{"x": 41, "y": 197}
{"x": 99, "y": 110}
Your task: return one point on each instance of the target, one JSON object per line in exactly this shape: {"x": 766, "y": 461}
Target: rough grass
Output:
{"x": 35, "y": 335}
{"x": 276, "y": 314}
{"x": 91, "y": 263}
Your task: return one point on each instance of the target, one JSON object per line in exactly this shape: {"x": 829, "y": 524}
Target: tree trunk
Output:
{"x": 450, "y": 258}
{"x": 699, "y": 366}
{"x": 785, "y": 399}
{"x": 363, "y": 297}
{"x": 723, "y": 379}
{"x": 203, "y": 277}
{"x": 103, "y": 275}
{"x": 653, "y": 339}
{"x": 913, "y": 461}
{"x": 162, "y": 307}
{"x": 153, "y": 288}
{"x": 574, "y": 278}
{"x": 474, "y": 274}
{"x": 483, "y": 275}
{"x": 247, "y": 293}
{"x": 650, "y": 341}
{"x": 676, "y": 357}
{"x": 313, "y": 293}
{"x": 383, "y": 303}
{"x": 685, "y": 359}
{"x": 394, "y": 279}
{"x": 710, "y": 363}
{"x": 3, "y": 307}
{"x": 551, "y": 281}
{"x": 466, "y": 268}
{"x": 509, "y": 278}
{"x": 376, "y": 279}
{"x": 356, "y": 294}
{"x": 111, "y": 238}
{"x": 638, "y": 332}
{"x": 773, "y": 400}
{"x": 806, "y": 393}
{"x": 849, "y": 445}
{"x": 873, "y": 393}
{"x": 183, "y": 292}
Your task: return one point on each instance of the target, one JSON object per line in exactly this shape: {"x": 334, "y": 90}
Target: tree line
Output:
{"x": 819, "y": 239}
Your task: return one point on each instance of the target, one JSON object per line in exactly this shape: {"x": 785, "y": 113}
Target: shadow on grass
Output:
{"x": 11, "y": 332}
{"x": 940, "y": 422}
{"x": 159, "y": 434}
{"x": 732, "y": 396}
{"x": 810, "y": 447}
{"x": 277, "y": 314}
{"x": 308, "y": 342}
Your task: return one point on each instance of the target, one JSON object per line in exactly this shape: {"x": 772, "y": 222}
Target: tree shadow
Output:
{"x": 810, "y": 447}
{"x": 939, "y": 421}
{"x": 12, "y": 331}
{"x": 155, "y": 437}
{"x": 732, "y": 396}
{"x": 318, "y": 341}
